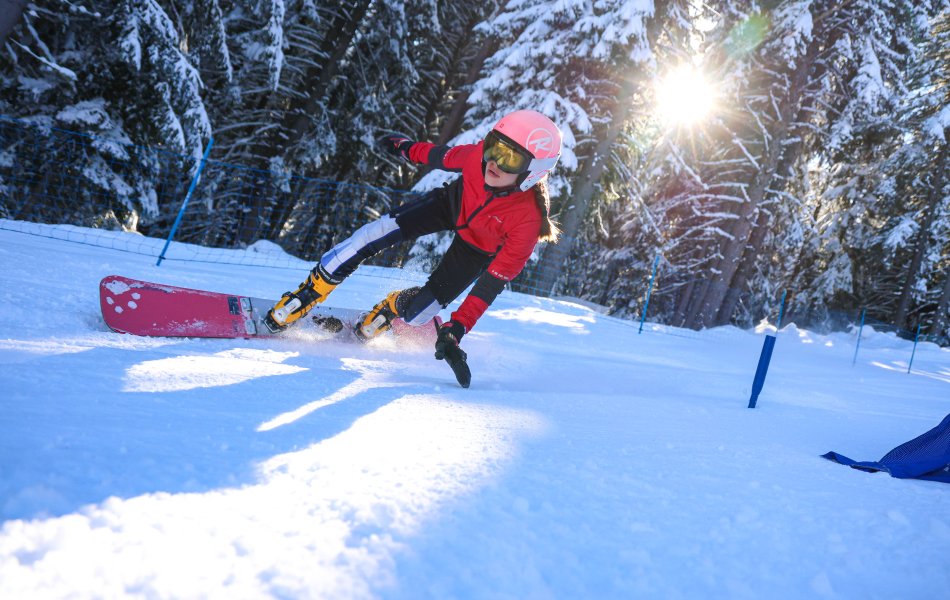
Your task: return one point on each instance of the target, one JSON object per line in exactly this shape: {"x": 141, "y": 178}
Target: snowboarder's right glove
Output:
{"x": 397, "y": 145}
{"x": 447, "y": 342}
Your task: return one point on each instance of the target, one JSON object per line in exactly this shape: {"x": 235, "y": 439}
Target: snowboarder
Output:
{"x": 498, "y": 209}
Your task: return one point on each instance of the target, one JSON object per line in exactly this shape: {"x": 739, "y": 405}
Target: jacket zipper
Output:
{"x": 475, "y": 213}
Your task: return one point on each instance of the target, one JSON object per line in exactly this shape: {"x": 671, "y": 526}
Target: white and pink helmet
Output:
{"x": 524, "y": 142}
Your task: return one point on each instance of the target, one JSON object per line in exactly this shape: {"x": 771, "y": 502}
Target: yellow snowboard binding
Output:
{"x": 298, "y": 303}
{"x": 380, "y": 319}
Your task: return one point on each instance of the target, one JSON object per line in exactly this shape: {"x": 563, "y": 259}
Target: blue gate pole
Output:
{"x": 184, "y": 205}
{"x": 765, "y": 357}
{"x": 646, "y": 305}
{"x": 860, "y": 329}
{"x": 914, "y": 353}
{"x": 781, "y": 311}
{"x": 762, "y": 369}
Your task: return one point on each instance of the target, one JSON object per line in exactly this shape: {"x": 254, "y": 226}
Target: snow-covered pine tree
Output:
{"x": 347, "y": 94}
{"x": 117, "y": 71}
{"x": 915, "y": 191}
{"x": 700, "y": 193}
{"x": 257, "y": 78}
{"x": 40, "y": 68}
{"x": 460, "y": 59}
{"x": 625, "y": 237}
{"x": 938, "y": 279}
{"x": 379, "y": 93}
{"x": 162, "y": 89}
{"x": 732, "y": 206}
{"x": 371, "y": 99}
{"x": 10, "y": 18}
{"x": 206, "y": 37}
{"x": 244, "y": 54}
{"x": 743, "y": 176}
{"x": 277, "y": 113}
{"x": 861, "y": 203}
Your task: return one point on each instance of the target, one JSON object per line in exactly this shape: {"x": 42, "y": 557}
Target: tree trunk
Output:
{"x": 740, "y": 282}
{"x": 705, "y": 311}
{"x": 695, "y": 307}
{"x": 296, "y": 120}
{"x": 934, "y": 197}
{"x": 710, "y": 310}
{"x": 11, "y": 11}
{"x": 453, "y": 122}
{"x": 682, "y": 305}
{"x": 785, "y": 169}
{"x": 574, "y": 210}
{"x": 754, "y": 248}
{"x": 943, "y": 305}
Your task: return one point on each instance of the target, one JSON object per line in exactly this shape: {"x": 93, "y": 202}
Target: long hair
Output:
{"x": 549, "y": 229}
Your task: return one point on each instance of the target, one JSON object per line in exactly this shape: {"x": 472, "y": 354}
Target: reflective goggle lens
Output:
{"x": 506, "y": 156}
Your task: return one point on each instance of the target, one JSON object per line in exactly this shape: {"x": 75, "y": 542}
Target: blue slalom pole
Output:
{"x": 646, "y": 305}
{"x": 914, "y": 353}
{"x": 781, "y": 310}
{"x": 860, "y": 329}
{"x": 762, "y": 369}
{"x": 765, "y": 357}
{"x": 184, "y": 205}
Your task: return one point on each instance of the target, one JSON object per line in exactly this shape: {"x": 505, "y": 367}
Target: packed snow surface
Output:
{"x": 586, "y": 460}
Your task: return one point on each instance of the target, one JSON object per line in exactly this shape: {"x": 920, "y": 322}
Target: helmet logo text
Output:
{"x": 540, "y": 142}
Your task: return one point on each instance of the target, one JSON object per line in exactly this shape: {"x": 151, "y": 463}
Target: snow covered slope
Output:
{"x": 584, "y": 461}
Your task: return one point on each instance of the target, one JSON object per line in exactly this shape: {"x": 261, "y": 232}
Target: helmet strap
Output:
{"x": 521, "y": 179}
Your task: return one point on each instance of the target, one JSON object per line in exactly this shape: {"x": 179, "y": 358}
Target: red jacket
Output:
{"x": 505, "y": 225}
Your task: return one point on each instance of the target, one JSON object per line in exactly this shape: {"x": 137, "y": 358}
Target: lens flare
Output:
{"x": 684, "y": 96}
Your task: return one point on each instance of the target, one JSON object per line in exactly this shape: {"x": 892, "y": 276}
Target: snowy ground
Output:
{"x": 584, "y": 461}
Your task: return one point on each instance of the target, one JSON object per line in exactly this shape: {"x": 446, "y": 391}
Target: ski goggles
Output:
{"x": 509, "y": 156}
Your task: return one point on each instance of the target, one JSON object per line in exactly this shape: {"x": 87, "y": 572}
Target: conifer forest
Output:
{"x": 743, "y": 148}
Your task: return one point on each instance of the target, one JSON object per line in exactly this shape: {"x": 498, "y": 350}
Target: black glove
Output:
{"x": 447, "y": 342}
{"x": 397, "y": 145}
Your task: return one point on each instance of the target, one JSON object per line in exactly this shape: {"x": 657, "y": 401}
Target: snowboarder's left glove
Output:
{"x": 447, "y": 342}
{"x": 398, "y": 145}
{"x": 447, "y": 349}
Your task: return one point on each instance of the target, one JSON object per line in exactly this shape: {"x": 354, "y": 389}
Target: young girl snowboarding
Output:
{"x": 498, "y": 210}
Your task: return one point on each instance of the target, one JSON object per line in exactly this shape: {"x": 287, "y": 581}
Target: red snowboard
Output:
{"x": 157, "y": 310}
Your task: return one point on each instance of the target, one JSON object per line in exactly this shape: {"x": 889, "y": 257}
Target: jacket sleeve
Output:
{"x": 507, "y": 265}
{"x": 483, "y": 293}
{"x": 445, "y": 158}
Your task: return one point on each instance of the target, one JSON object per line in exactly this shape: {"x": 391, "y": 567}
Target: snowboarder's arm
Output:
{"x": 483, "y": 293}
{"x": 507, "y": 265}
{"x": 445, "y": 158}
